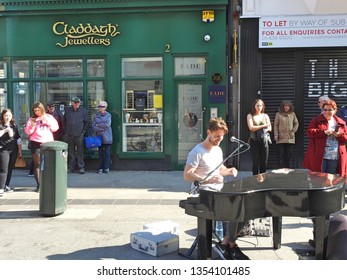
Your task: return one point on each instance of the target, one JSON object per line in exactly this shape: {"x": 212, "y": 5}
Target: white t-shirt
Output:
{"x": 205, "y": 161}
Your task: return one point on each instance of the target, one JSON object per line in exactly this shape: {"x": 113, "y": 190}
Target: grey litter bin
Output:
{"x": 53, "y": 178}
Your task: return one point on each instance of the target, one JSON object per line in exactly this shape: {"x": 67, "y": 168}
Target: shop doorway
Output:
{"x": 190, "y": 118}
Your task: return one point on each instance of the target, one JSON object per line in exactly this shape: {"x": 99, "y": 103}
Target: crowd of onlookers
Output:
{"x": 49, "y": 124}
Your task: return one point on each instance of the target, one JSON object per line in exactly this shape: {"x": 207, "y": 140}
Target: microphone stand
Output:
{"x": 198, "y": 183}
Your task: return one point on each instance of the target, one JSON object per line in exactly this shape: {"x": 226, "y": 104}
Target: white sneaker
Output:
{"x": 8, "y": 189}
{"x": 1, "y": 192}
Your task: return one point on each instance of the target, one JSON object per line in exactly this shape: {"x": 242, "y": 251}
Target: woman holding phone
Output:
{"x": 40, "y": 128}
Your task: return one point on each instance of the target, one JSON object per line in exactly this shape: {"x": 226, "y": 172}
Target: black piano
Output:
{"x": 283, "y": 192}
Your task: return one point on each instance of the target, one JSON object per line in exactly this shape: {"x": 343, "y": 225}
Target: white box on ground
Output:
{"x": 167, "y": 226}
{"x": 154, "y": 242}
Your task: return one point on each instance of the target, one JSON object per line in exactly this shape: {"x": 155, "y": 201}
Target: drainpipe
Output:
{"x": 230, "y": 118}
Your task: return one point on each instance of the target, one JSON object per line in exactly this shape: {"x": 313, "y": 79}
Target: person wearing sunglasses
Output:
{"x": 102, "y": 126}
{"x": 52, "y": 110}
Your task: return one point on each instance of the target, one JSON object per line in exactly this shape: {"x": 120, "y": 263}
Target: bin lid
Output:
{"x": 54, "y": 146}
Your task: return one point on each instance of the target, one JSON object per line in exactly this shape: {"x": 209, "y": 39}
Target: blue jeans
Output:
{"x": 104, "y": 156}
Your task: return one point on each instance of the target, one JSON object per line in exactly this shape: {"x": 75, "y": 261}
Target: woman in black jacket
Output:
{"x": 10, "y": 148}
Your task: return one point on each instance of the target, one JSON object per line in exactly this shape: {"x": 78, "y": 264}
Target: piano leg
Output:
{"x": 277, "y": 232}
{"x": 321, "y": 232}
{"x": 204, "y": 239}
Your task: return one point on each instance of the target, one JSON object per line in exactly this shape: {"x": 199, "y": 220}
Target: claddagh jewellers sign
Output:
{"x": 84, "y": 34}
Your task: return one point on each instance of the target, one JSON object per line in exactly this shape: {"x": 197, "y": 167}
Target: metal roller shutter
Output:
{"x": 277, "y": 84}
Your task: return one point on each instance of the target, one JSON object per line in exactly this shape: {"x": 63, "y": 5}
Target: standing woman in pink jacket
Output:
{"x": 40, "y": 128}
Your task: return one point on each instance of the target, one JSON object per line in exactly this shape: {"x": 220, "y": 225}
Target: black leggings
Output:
{"x": 260, "y": 155}
{"x": 7, "y": 161}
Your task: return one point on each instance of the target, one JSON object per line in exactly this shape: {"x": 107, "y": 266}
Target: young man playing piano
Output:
{"x": 202, "y": 160}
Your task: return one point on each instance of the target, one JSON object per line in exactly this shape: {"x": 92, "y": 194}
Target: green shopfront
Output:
{"x": 160, "y": 65}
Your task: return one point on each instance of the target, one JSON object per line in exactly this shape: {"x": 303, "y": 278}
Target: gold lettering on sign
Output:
{"x": 84, "y": 34}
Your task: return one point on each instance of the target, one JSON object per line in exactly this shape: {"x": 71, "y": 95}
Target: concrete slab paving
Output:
{"x": 103, "y": 210}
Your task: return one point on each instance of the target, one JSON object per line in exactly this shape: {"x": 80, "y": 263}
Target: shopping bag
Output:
{"x": 20, "y": 162}
{"x": 92, "y": 141}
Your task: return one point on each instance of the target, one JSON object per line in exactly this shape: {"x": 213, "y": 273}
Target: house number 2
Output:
{"x": 167, "y": 48}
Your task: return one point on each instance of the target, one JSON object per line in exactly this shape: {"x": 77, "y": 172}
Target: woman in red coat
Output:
{"x": 326, "y": 150}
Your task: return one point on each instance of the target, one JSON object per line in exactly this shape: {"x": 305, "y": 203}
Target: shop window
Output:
{"x": 142, "y": 67}
{"x": 142, "y": 105}
{"x": 58, "y": 68}
{"x": 3, "y": 96}
{"x": 3, "y": 69}
{"x": 96, "y": 93}
{"x": 22, "y": 110}
{"x": 20, "y": 69}
{"x": 53, "y": 80}
{"x": 58, "y": 92}
{"x": 95, "y": 67}
{"x": 190, "y": 66}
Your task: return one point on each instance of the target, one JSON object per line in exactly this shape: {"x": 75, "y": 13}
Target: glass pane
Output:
{"x": 3, "y": 69}
{"x": 20, "y": 69}
{"x": 96, "y": 93}
{"x": 189, "y": 121}
{"x": 3, "y": 96}
{"x": 96, "y": 68}
{"x": 142, "y": 138}
{"x": 190, "y": 66}
{"x": 22, "y": 110}
{"x": 58, "y": 92}
{"x": 58, "y": 68}
{"x": 153, "y": 87}
{"x": 142, "y": 67}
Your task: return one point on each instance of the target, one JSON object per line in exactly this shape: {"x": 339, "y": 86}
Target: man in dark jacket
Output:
{"x": 52, "y": 110}
{"x": 75, "y": 123}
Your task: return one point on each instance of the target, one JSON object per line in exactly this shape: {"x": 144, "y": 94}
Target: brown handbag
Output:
{"x": 20, "y": 162}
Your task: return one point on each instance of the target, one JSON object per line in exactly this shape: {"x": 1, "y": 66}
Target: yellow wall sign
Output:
{"x": 207, "y": 16}
{"x": 158, "y": 101}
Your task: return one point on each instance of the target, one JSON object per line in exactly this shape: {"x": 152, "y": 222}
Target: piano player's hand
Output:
{"x": 216, "y": 179}
{"x": 233, "y": 171}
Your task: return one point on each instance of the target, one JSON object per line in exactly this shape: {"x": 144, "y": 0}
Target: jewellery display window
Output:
{"x": 142, "y": 116}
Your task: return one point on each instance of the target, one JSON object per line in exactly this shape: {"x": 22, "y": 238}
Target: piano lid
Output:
{"x": 289, "y": 179}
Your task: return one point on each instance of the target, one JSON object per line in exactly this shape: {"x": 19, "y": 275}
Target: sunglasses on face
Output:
{"x": 101, "y": 106}
{"x": 328, "y": 110}
{"x": 50, "y": 106}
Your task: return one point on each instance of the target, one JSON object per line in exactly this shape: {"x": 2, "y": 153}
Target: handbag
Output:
{"x": 91, "y": 141}
{"x": 259, "y": 135}
{"x": 20, "y": 162}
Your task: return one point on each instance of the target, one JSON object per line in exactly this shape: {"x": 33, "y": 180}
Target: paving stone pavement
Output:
{"x": 104, "y": 209}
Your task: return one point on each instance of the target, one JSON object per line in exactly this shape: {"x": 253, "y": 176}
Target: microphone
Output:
{"x": 235, "y": 140}
{"x": 239, "y": 141}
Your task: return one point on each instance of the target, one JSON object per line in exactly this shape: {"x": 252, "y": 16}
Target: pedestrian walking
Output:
{"x": 10, "y": 149}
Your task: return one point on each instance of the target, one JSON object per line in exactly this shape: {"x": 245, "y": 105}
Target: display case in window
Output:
{"x": 140, "y": 100}
{"x": 142, "y": 122}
